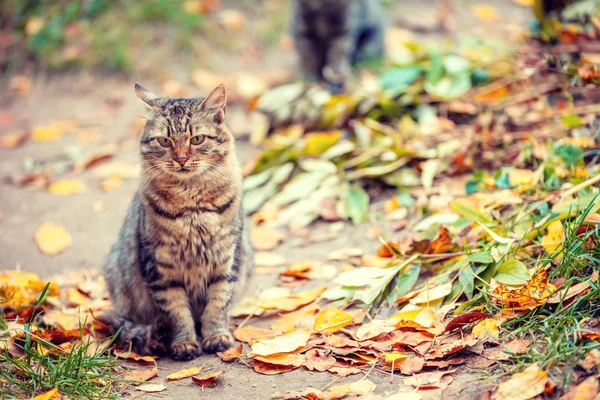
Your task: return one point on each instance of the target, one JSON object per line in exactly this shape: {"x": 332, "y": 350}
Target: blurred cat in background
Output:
{"x": 333, "y": 35}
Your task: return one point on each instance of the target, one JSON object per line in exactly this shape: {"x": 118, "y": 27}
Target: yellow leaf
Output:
{"x": 331, "y": 320}
{"x": 486, "y": 326}
{"x": 282, "y": 344}
{"x": 265, "y": 238}
{"x": 524, "y": 3}
{"x": 485, "y": 12}
{"x": 393, "y": 356}
{"x": 552, "y": 240}
{"x": 111, "y": 184}
{"x": 46, "y": 396}
{"x": 46, "y": 133}
{"x": 52, "y": 239}
{"x": 184, "y": 373}
{"x": 521, "y": 177}
{"x": 66, "y": 187}
{"x": 523, "y": 385}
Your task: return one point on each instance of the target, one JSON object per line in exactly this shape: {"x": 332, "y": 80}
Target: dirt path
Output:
{"x": 87, "y": 98}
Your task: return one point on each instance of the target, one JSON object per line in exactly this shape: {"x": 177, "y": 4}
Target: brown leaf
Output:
{"x": 184, "y": 373}
{"x": 231, "y": 354}
{"x": 133, "y": 356}
{"x": 591, "y": 361}
{"x": 317, "y": 360}
{"x": 408, "y": 365}
{"x": 344, "y": 371}
{"x": 426, "y": 380}
{"x": 586, "y": 390}
{"x": 265, "y": 238}
{"x": 141, "y": 375}
{"x": 465, "y": 319}
{"x": 250, "y": 334}
{"x": 442, "y": 243}
{"x": 503, "y": 352}
{"x": 206, "y": 380}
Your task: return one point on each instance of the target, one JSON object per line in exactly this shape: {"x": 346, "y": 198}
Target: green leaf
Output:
{"x": 400, "y": 77}
{"x": 467, "y": 281}
{"x": 357, "y": 204}
{"x": 456, "y": 65}
{"x": 570, "y": 154}
{"x": 495, "y": 236}
{"x": 571, "y": 121}
{"x": 512, "y": 272}
{"x": 436, "y": 70}
{"x": 466, "y": 210}
{"x": 405, "y": 282}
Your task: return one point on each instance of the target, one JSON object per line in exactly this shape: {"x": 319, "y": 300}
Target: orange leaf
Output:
{"x": 270, "y": 369}
{"x": 265, "y": 238}
{"x": 134, "y": 356}
{"x": 289, "y": 359}
{"x": 13, "y": 140}
{"x": 231, "y": 354}
{"x": 586, "y": 390}
{"x": 206, "y": 380}
{"x": 52, "y": 239}
{"x": 250, "y": 334}
{"x": 294, "y": 301}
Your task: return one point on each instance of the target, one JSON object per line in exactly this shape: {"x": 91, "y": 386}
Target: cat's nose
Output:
{"x": 181, "y": 160}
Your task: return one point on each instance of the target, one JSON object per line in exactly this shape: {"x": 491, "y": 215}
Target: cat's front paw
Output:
{"x": 218, "y": 342}
{"x": 185, "y": 350}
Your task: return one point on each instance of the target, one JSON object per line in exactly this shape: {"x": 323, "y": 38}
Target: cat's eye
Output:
{"x": 198, "y": 139}
{"x": 164, "y": 141}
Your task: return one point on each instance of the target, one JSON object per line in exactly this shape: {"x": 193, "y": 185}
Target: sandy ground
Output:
{"x": 84, "y": 97}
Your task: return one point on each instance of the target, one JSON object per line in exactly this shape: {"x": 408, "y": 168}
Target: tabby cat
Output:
{"x": 183, "y": 253}
{"x": 332, "y": 35}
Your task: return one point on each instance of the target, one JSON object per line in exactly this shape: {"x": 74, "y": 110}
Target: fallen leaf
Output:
{"x": 523, "y": 385}
{"x": 66, "y": 187}
{"x": 344, "y": 371}
{"x": 331, "y": 320}
{"x": 427, "y": 380}
{"x": 318, "y": 361}
{"x": 465, "y": 319}
{"x": 151, "y": 387}
{"x": 133, "y": 356}
{"x": 289, "y": 359}
{"x": 530, "y": 296}
{"x": 49, "y": 395}
{"x": 294, "y": 301}
{"x": 184, "y": 373}
{"x": 586, "y": 390}
{"x": 52, "y": 239}
{"x": 21, "y": 84}
{"x": 268, "y": 259}
{"x": 303, "y": 318}
{"x": 513, "y": 346}
{"x": 14, "y": 140}
{"x": 270, "y": 369}
{"x": 485, "y": 327}
{"x": 251, "y": 334}
{"x": 231, "y": 354}
{"x": 208, "y": 379}
{"x": 591, "y": 361}
{"x": 374, "y": 261}
{"x": 485, "y": 12}
{"x": 432, "y": 294}
{"x": 345, "y": 254}
{"x": 285, "y": 343}
{"x": 265, "y": 238}
{"x": 141, "y": 375}
{"x": 46, "y": 133}
{"x": 76, "y": 299}
{"x": 111, "y": 184}
{"x": 553, "y": 239}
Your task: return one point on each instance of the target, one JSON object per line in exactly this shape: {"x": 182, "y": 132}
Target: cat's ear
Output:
{"x": 145, "y": 95}
{"x": 216, "y": 103}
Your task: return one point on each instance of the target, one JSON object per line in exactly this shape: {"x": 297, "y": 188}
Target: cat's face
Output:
{"x": 184, "y": 138}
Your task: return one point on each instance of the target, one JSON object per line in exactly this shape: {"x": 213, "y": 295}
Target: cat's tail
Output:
{"x": 143, "y": 339}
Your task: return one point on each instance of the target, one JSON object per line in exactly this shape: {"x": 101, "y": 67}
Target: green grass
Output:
{"x": 85, "y": 372}
{"x": 551, "y": 327}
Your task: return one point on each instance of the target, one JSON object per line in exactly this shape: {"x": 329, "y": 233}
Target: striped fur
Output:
{"x": 183, "y": 253}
